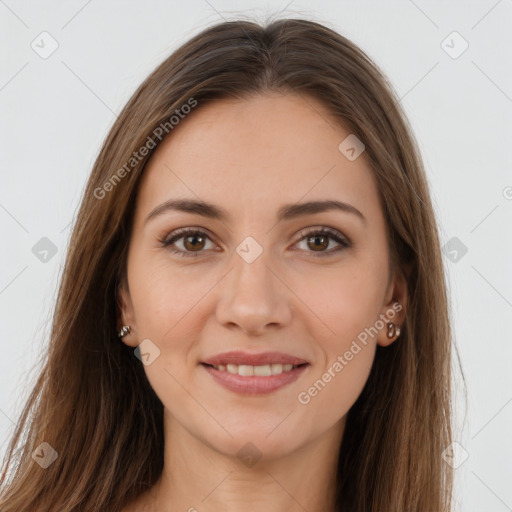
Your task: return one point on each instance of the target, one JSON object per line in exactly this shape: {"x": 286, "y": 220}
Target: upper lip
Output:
{"x": 244, "y": 358}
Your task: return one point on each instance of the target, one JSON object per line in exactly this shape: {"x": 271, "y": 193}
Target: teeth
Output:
{"x": 246, "y": 370}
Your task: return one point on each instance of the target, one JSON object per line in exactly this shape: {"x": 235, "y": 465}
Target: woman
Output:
{"x": 253, "y": 311}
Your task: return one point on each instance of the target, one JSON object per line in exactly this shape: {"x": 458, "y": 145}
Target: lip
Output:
{"x": 255, "y": 385}
{"x": 239, "y": 357}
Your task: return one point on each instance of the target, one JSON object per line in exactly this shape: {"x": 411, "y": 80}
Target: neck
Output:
{"x": 197, "y": 477}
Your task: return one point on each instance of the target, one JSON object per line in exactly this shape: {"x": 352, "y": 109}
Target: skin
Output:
{"x": 250, "y": 157}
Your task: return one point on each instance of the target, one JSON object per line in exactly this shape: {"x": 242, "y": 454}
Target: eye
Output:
{"x": 321, "y": 238}
{"x": 194, "y": 240}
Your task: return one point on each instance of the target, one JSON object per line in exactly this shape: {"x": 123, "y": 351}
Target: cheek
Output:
{"x": 164, "y": 296}
{"x": 167, "y": 307}
{"x": 346, "y": 299}
{"x": 332, "y": 390}
{"x": 348, "y": 302}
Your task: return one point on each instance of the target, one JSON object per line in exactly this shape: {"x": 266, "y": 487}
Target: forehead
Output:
{"x": 255, "y": 154}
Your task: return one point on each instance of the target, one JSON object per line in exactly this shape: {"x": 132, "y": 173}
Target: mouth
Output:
{"x": 251, "y": 380}
{"x": 247, "y": 370}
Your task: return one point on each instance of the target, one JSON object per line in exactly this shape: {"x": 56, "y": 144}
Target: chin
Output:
{"x": 255, "y": 442}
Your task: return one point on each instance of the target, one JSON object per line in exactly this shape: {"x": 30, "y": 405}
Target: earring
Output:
{"x": 393, "y": 330}
{"x": 124, "y": 331}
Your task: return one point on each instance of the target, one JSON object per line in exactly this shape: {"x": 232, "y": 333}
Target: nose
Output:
{"x": 253, "y": 297}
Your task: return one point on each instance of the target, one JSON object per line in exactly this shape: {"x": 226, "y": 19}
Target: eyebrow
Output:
{"x": 286, "y": 212}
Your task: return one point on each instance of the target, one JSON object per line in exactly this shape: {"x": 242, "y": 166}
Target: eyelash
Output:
{"x": 331, "y": 233}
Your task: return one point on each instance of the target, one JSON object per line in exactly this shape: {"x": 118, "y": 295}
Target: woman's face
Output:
{"x": 254, "y": 280}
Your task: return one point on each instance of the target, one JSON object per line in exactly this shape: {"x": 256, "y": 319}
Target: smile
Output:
{"x": 247, "y": 370}
{"x": 255, "y": 380}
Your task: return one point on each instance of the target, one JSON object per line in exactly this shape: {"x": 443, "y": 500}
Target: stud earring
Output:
{"x": 393, "y": 330}
{"x": 124, "y": 331}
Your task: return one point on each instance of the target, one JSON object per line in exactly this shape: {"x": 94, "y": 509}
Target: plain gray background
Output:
{"x": 56, "y": 111}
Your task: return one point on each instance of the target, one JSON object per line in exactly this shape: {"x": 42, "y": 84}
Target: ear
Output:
{"x": 126, "y": 315}
{"x": 394, "y": 309}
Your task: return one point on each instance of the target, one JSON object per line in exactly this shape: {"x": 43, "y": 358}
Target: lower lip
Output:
{"x": 254, "y": 385}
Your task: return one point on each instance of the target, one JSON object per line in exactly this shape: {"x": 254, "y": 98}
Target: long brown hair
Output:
{"x": 92, "y": 402}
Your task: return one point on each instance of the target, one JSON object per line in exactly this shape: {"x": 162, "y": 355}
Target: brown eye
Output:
{"x": 317, "y": 241}
{"x": 193, "y": 242}
{"x": 320, "y": 241}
